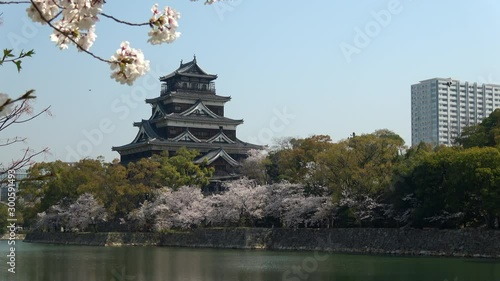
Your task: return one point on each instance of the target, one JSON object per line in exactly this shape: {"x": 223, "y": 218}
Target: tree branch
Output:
{"x": 14, "y": 2}
{"x": 124, "y": 22}
{"x": 26, "y": 160}
{"x": 71, "y": 39}
{"x": 11, "y": 141}
{"x": 15, "y": 116}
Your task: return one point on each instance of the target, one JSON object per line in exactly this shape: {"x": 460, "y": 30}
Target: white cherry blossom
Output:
{"x": 128, "y": 64}
{"x": 163, "y": 25}
{"x": 48, "y": 10}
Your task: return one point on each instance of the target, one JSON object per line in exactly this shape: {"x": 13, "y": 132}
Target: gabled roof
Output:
{"x": 198, "y": 119}
{"x": 189, "y": 69}
{"x": 186, "y": 136}
{"x": 146, "y": 132}
{"x": 199, "y": 109}
{"x": 216, "y": 154}
{"x": 158, "y": 111}
{"x": 199, "y": 112}
{"x": 220, "y": 137}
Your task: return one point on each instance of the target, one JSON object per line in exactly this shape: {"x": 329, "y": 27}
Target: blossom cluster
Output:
{"x": 163, "y": 25}
{"x": 128, "y": 64}
{"x": 76, "y": 24}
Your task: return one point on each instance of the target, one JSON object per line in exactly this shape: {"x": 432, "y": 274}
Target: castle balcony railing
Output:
{"x": 189, "y": 87}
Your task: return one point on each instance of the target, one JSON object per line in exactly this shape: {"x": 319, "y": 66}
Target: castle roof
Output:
{"x": 198, "y": 113}
{"x": 213, "y": 155}
{"x": 190, "y": 69}
{"x": 145, "y": 144}
{"x": 189, "y": 96}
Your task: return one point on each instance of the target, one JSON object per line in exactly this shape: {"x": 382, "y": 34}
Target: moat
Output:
{"x": 44, "y": 262}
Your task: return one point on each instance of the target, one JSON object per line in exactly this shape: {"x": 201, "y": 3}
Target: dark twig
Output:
{"x": 14, "y": 2}
{"x": 124, "y": 22}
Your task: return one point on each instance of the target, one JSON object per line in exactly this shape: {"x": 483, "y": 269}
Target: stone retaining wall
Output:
{"x": 470, "y": 242}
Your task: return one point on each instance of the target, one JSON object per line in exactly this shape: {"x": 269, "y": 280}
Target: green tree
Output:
{"x": 180, "y": 169}
{"x": 295, "y": 160}
{"x": 3, "y": 218}
{"x": 361, "y": 164}
{"x": 118, "y": 194}
{"x": 486, "y": 133}
{"x": 162, "y": 170}
{"x": 455, "y": 187}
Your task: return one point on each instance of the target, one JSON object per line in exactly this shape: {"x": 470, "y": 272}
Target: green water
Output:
{"x": 41, "y": 262}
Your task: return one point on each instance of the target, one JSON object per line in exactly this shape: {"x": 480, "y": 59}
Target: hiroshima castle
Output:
{"x": 188, "y": 113}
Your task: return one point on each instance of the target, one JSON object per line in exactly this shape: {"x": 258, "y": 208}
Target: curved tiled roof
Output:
{"x": 197, "y": 108}
{"x": 184, "y": 136}
{"x": 145, "y": 128}
{"x": 220, "y": 137}
{"x": 213, "y": 155}
{"x": 238, "y": 145}
{"x": 189, "y": 69}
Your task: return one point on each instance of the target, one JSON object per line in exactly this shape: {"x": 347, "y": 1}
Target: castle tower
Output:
{"x": 188, "y": 113}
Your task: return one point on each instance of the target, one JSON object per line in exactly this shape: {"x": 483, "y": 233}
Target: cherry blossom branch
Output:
{"x": 14, "y": 116}
{"x": 64, "y": 33}
{"x": 26, "y": 160}
{"x": 14, "y": 2}
{"x": 12, "y": 141}
{"x": 54, "y": 17}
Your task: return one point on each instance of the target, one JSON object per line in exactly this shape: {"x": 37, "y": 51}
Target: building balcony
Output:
{"x": 189, "y": 87}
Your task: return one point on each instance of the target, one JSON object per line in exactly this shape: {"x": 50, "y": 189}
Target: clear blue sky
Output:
{"x": 272, "y": 57}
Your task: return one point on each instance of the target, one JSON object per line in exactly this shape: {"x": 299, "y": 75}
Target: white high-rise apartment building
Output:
{"x": 442, "y": 107}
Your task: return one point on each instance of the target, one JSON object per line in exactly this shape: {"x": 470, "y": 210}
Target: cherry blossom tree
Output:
{"x": 140, "y": 219}
{"x": 84, "y": 212}
{"x": 242, "y": 203}
{"x": 54, "y": 218}
{"x": 325, "y": 213}
{"x": 254, "y": 166}
{"x": 181, "y": 209}
{"x": 278, "y": 193}
{"x": 366, "y": 210}
{"x": 290, "y": 204}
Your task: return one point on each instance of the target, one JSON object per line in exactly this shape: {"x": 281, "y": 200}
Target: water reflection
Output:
{"x": 40, "y": 262}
